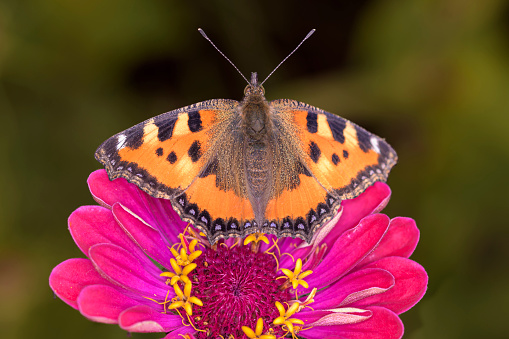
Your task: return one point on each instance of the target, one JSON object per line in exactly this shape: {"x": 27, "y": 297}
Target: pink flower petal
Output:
{"x": 142, "y": 318}
{"x": 410, "y": 285}
{"x": 383, "y": 324}
{"x": 285, "y": 244}
{"x": 107, "y": 192}
{"x": 71, "y": 276}
{"x": 342, "y": 318}
{"x": 156, "y": 212}
{"x": 160, "y": 215}
{"x": 124, "y": 269}
{"x": 400, "y": 240}
{"x": 178, "y": 333}
{"x": 147, "y": 239}
{"x": 310, "y": 317}
{"x": 373, "y": 200}
{"x": 355, "y": 286}
{"x": 103, "y": 303}
{"x": 288, "y": 262}
{"x": 349, "y": 249}
{"x": 91, "y": 225}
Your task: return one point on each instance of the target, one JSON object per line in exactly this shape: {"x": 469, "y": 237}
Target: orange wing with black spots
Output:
{"x": 333, "y": 160}
{"x": 164, "y": 154}
{"x": 177, "y": 152}
{"x": 342, "y": 156}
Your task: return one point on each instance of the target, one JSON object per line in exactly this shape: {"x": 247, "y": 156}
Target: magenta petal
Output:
{"x": 310, "y": 317}
{"x": 71, "y": 276}
{"x": 124, "y": 269}
{"x": 410, "y": 285}
{"x": 349, "y": 249}
{"x": 342, "y": 318}
{"x": 91, "y": 225}
{"x": 156, "y": 212}
{"x": 383, "y": 324}
{"x": 400, "y": 240}
{"x": 180, "y": 332}
{"x": 286, "y": 244}
{"x": 147, "y": 239}
{"x": 288, "y": 262}
{"x": 355, "y": 286}
{"x": 161, "y": 215}
{"x": 373, "y": 200}
{"x": 107, "y": 192}
{"x": 103, "y": 303}
{"x": 142, "y": 318}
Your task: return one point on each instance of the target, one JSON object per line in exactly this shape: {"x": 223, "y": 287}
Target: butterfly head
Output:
{"x": 254, "y": 89}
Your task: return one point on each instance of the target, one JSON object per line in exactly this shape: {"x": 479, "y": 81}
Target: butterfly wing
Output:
{"x": 340, "y": 160}
{"x": 175, "y": 156}
{"x": 164, "y": 154}
{"x": 345, "y": 158}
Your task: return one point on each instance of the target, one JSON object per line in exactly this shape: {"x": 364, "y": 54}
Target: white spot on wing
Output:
{"x": 374, "y": 143}
{"x": 121, "y": 141}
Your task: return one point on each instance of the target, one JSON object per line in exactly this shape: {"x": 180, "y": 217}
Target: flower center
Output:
{"x": 236, "y": 287}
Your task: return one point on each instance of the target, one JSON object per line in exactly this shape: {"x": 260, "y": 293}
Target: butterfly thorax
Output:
{"x": 255, "y": 111}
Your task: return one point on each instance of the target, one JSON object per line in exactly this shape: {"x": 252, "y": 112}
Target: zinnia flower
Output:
{"x": 148, "y": 271}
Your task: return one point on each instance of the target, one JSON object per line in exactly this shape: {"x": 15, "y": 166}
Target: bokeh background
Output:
{"x": 432, "y": 77}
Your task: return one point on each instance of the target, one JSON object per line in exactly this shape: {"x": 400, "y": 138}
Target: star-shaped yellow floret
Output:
{"x": 181, "y": 274}
{"x": 296, "y": 277}
{"x": 183, "y": 258}
{"x": 184, "y": 299}
{"x": 285, "y": 316}
{"x": 257, "y": 333}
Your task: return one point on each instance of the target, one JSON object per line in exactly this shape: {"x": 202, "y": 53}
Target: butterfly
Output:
{"x": 233, "y": 168}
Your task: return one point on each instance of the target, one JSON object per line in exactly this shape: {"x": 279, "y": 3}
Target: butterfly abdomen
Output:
{"x": 258, "y": 168}
{"x": 259, "y": 177}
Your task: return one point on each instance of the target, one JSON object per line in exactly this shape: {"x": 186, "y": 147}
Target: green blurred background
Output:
{"x": 432, "y": 77}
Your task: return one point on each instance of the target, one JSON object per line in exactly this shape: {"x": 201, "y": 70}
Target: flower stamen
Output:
{"x": 192, "y": 325}
{"x": 236, "y": 243}
{"x": 305, "y": 303}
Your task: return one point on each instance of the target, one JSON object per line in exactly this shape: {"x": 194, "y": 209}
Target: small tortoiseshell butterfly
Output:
{"x": 233, "y": 168}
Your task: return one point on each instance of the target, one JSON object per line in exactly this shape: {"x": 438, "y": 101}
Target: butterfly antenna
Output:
{"x": 206, "y": 37}
{"x": 296, "y": 48}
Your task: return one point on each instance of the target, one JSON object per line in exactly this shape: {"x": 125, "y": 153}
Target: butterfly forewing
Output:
{"x": 342, "y": 156}
{"x": 164, "y": 154}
